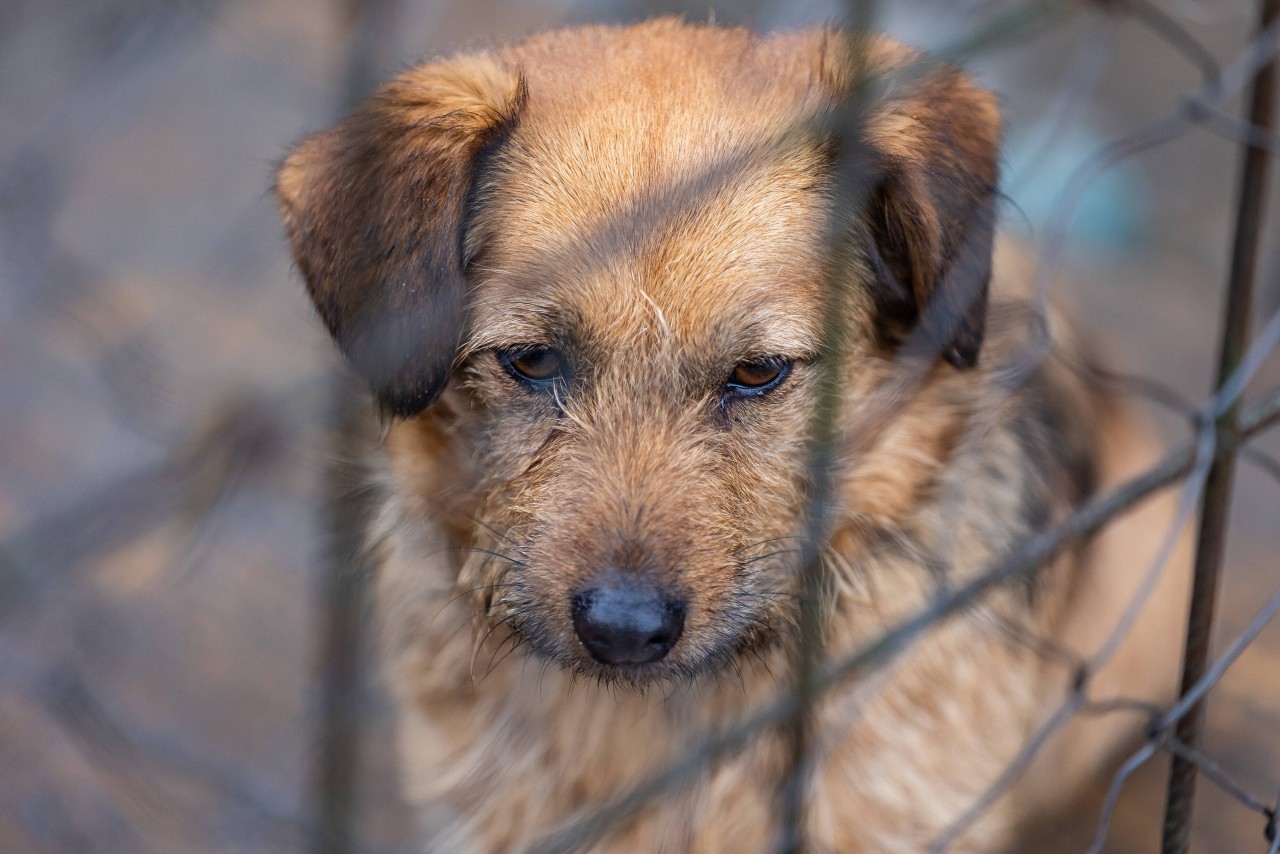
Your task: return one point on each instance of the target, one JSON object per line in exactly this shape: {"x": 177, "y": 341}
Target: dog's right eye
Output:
{"x": 756, "y": 379}
{"x": 536, "y": 367}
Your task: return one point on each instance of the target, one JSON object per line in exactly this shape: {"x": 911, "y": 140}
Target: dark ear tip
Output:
{"x": 405, "y": 376}
{"x": 962, "y": 355}
{"x": 394, "y": 406}
{"x": 405, "y": 400}
{"x": 405, "y": 353}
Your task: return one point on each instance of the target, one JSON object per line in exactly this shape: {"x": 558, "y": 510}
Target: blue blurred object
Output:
{"x": 1114, "y": 212}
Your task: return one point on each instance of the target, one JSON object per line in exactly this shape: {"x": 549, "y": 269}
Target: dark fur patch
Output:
{"x": 376, "y": 210}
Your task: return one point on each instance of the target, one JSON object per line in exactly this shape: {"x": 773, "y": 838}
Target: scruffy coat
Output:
{"x": 657, "y": 206}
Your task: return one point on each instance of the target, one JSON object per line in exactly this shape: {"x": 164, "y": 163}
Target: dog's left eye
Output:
{"x": 757, "y": 378}
{"x": 538, "y": 366}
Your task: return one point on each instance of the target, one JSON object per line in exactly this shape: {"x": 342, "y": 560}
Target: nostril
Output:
{"x": 630, "y": 622}
{"x": 672, "y": 624}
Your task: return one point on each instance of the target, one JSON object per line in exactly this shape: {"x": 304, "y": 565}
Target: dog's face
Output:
{"x": 619, "y": 258}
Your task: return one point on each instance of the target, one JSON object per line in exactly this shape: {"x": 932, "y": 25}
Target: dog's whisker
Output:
{"x": 471, "y": 591}
{"x": 760, "y": 543}
{"x": 542, "y": 675}
{"x": 515, "y": 642}
{"x": 506, "y": 537}
{"x": 767, "y": 555}
{"x": 511, "y": 643}
{"x": 491, "y": 553}
{"x": 760, "y": 658}
{"x": 767, "y": 594}
{"x": 476, "y": 549}
{"x": 484, "y": 639}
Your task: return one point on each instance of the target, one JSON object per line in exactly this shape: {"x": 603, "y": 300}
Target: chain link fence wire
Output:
{"x": 184, "y": 644}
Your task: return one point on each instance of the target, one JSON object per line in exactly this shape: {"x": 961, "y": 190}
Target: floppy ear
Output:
{"x": 933, "y": 137}
{"x": 375, "y": 209}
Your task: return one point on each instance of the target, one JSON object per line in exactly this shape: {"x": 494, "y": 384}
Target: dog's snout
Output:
{"x": 628, "y": 622}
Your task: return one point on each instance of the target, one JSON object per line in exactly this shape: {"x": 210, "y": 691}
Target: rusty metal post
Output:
{"x": 1217, "y": 496}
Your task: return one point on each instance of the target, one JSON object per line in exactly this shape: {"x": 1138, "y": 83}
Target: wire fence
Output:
{"x": 105, "y": 757}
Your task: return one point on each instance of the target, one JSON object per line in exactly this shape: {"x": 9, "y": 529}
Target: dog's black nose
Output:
{"x": 627, "y": 623}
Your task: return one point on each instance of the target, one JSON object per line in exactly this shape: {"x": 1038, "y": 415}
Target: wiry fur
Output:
{"x": 657, "y": 203}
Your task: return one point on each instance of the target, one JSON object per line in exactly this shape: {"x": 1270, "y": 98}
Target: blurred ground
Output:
{"x": 157, "y": 609}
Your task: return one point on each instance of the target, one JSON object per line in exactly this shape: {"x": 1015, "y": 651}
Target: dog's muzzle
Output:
{"x": 627, "y": 622}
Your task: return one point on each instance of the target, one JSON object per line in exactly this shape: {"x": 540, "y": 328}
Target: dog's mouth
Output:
{"x": 636, "y": 621}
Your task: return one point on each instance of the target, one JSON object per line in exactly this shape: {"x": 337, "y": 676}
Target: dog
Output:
{"x": 658, "y": 316}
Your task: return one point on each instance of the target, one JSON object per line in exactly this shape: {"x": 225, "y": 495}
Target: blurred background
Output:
{"x": 164, "y": 385}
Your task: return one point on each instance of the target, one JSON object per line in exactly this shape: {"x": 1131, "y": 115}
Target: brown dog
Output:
{"x": 602, "y": 279}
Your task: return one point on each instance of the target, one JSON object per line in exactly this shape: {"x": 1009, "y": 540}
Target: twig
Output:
{"x": 235, "y": 440}
{"x": 106, "y": 738}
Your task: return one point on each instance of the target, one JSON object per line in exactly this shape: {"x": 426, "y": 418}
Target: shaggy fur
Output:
{"x": 659, "y": 206}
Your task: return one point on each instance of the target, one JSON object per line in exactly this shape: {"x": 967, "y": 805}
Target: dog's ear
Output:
{"x": 375, "y": 209}
{"x": 933, "y": 139}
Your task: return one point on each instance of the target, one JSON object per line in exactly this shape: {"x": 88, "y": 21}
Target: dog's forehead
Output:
{"x": 658, "y": 189}
{"x": 749, "y": 256}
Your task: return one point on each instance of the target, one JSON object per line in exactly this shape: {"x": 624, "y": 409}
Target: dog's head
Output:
{"x": 597, "y": 274}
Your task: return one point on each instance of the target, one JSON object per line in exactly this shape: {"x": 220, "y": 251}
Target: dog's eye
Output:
{"x": 756, "y": 378}
{"x": 537, "y": 366}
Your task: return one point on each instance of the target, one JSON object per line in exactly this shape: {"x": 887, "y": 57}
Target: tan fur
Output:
{"x": 657, "y": 202}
